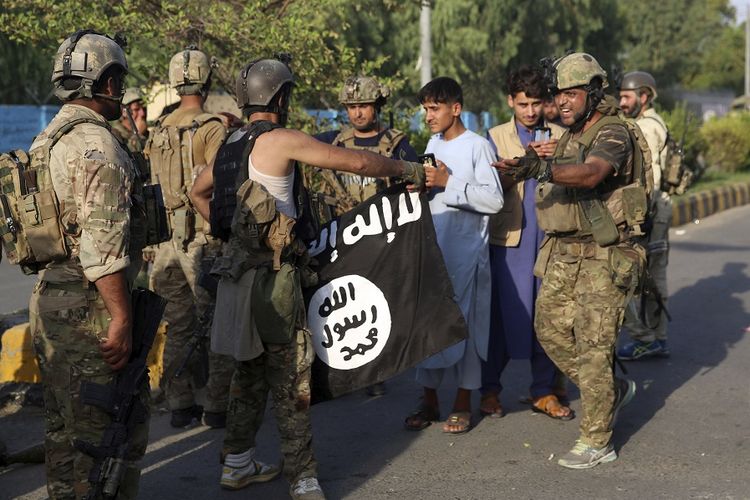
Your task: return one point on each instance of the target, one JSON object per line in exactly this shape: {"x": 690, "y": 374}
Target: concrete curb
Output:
{"x": 704, "y": 203}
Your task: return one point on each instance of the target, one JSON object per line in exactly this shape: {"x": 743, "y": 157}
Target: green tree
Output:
{"x": 234, "y": 31}
{"x": 673, "y": 39}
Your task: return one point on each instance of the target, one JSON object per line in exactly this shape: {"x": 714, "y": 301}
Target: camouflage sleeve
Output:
{"x": 209, "y": 138}
{"x": 102, "y": 192}
{"x": 612, "y": 144}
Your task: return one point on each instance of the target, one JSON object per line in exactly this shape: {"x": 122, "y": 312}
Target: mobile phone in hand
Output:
{"x": 428, "y": 158}
{"x": 542, "y": 134}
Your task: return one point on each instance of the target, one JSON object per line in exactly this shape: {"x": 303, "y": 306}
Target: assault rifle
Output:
{"x": 122, "y": 400}
{"x": 198, "y": 343}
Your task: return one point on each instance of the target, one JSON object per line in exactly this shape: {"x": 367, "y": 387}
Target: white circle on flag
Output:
{"x": 350, "y": 322}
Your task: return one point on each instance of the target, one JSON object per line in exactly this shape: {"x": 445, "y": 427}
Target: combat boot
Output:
{"x": 186, "y": 416}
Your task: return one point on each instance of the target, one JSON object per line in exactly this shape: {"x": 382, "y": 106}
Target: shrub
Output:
{"x": 728, "y": 142}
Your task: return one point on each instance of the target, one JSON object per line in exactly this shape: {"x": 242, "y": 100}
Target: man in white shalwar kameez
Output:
{"x": 464, "y": 191}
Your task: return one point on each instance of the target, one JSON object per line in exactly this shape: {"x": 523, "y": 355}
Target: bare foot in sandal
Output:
{"x": 489, "y": 405}
{"x": 550, "y": 406}
{"x": 457, "y": 422}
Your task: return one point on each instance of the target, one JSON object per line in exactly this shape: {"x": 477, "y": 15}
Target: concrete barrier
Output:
{"x": 18, "y": 362}
{"x": 704, "y": 203}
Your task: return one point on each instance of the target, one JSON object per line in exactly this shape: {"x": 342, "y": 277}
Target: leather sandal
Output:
{"x": 421, "y": 418}
{"x": 489, "y": 405}
{"x": 549, "y": 405}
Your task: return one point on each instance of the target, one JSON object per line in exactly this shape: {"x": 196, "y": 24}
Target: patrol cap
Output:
{"x": 189, "y": 71}
{"x": 132, "y": 94}
{"x": 636, "y": 80}
{"x": 363, "y": 90}
{"x": 576, "y": 70}
{"x": 86, "y": 54}
{"x": 260, "y": 81}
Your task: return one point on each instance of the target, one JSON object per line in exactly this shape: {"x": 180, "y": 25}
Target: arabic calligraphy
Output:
{"x": 350, "y": 321}
{"x": 378, "y": 221}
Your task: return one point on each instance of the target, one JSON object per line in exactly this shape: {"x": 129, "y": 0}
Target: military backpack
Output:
{"x": 32, "y": 231}
{"x": 676, "y": 178}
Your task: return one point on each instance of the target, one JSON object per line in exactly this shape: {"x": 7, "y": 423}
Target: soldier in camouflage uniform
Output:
{"x": 589, "y": 262}
{"x": 132, "y": 108}
{"x": 637, "y": 93}
{"x": 363, "y": 97}
{"x": 181, "y": 145}
{"x": 271, "y": 357}
{"x": 80, "y": 308}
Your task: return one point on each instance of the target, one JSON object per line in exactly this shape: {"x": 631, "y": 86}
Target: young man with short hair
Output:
{"x": 515, "y": 238}
{"x": 464, "y": 191}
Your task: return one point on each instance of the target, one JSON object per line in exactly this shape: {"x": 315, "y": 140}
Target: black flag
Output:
{"x": 384, "y": 301}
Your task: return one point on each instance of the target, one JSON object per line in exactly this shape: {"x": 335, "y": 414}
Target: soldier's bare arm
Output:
{"x": 114, "y": 292}
{"x": 203, "y": 188}
{"x": 274, "y": 151}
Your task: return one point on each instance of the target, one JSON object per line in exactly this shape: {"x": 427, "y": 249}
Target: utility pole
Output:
{"x": 747, "y": 55}
{"x": 425, "y": 43}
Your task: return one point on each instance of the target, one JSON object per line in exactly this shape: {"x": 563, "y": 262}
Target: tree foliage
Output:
{"x": 692, "y": 43}
{"x": 234, "y": 31}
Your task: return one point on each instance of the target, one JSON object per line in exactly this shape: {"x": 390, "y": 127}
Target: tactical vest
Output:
{"x": 170, "y": 151}
{"x": 230, "y": 172}
{"x": 34, "y": 228}
{"x": 609, "y": 215}
{"x": 349, "y": 190}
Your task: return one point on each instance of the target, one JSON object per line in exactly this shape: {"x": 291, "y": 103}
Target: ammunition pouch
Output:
{"x": 627, "y": 265}
{"x": 598, "y": 221}
{"x": 157, "y": 224}
{"x": 277, "y": 303}
{"x": 30, "y": 227}
{"x": 556, "y": 209}
{"x": 183, "y": 223}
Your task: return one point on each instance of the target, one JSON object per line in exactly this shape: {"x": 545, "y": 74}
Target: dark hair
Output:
{"x": 441, "y": 89}
{"x": 528, "y": 80}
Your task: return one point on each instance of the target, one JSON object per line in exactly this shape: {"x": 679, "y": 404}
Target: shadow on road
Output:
{"x": 708, "y": 319}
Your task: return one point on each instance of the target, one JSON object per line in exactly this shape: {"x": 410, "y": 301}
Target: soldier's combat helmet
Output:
{"x": 577, "y": 70}
{"x": 637, "y": 80}
{"x": 363, "y": 90}
{"x": 190, "y": 72}
{"x": 260, "y": 82}
{"x": 81, "y": 61}
{"x": 132, "y": 94}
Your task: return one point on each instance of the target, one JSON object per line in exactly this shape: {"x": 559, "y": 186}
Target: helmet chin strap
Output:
{"x": 109, "y": 97}
{"x": 593, "y": 98}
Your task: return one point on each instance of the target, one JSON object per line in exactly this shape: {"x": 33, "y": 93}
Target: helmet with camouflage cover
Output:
{"x": 189, "y": 71}
{"x": 363, "y": 90}
{"x": 80, "y": 62}
{"x": 260, "y": 82}
{"x": 637, "y": 80}
{"x": 132, "y": 94}
{"x": 577, "y": 70}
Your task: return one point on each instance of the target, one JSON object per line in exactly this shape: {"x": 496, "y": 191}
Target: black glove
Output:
{"x": 530, "y": 166}
{"x": 413, "y": 174}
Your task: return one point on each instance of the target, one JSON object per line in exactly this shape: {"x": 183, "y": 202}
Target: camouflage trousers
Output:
{"x": 658, "y": 257}
{"x": 67, "y": 325}
{"x": 284, "y": 370}
{"x": 175, "y": 277}
{"x": 579, "y": 311}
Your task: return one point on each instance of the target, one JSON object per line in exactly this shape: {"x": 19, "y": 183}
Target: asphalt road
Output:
{"x": 685, "y": 435}
{"x": 15, "y": 287}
